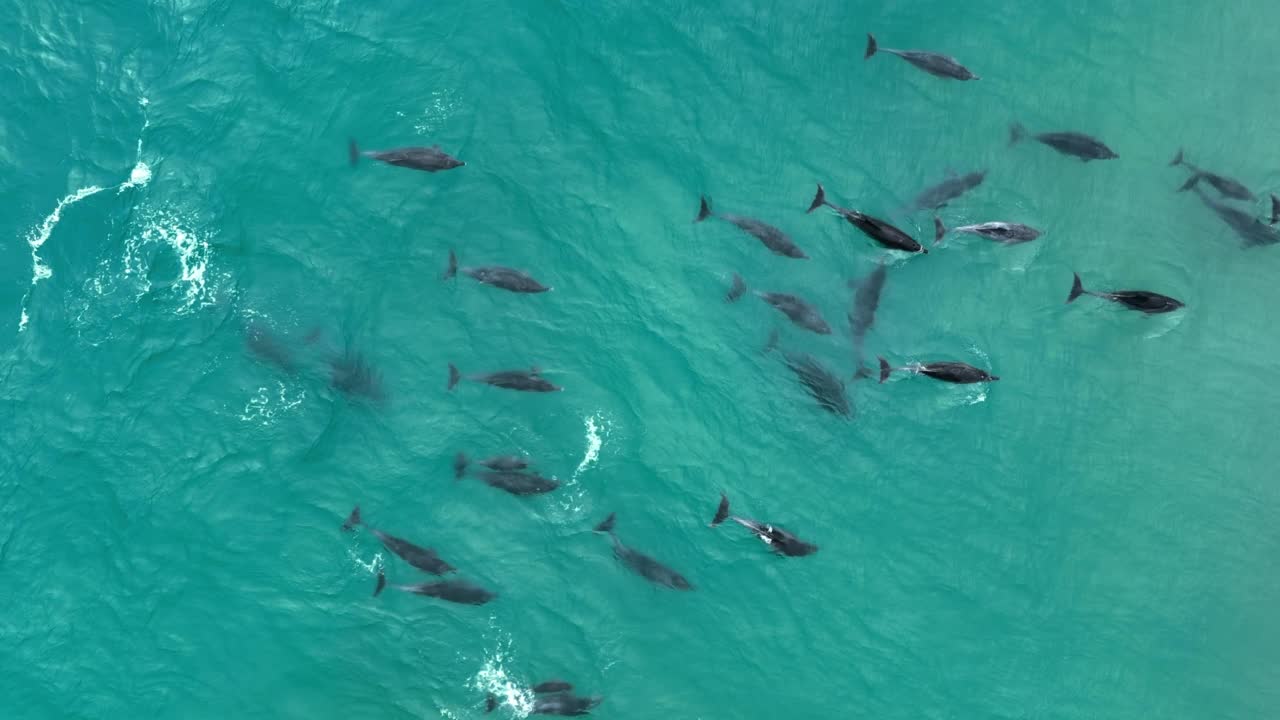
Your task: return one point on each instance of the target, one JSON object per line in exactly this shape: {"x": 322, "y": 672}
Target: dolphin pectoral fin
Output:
{"x": 352, "y": 520}
{"x": 722, "y": 512}
{"x": 382, "y": 583}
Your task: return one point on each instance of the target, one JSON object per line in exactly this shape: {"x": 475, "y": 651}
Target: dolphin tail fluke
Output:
{"x": 382, "y": 584}
{"x": 722, "y": 512}
{"x": 452, "y": 270}
{"x": 819, "y": 199}
{"x": 1077, "y": 288}
{"x": 771, "y": 343}
{"x": 460, "y": 462}
{"x": 1016, "y": 133}
{"x": 871, "y": 46}
{"x": 353, "y": 152}
{"x": 738, "y": 289}
{"x": 606, "y": 525}
{"x": 352, "y": 520}
{"x": 1275, "y": 209}
{"x": 885, "y": 369}
{"x": 454, "y": 376}
{"x": 704, "y": 209}
{"x": 1191, "y": 182}
{"x": 938, "y": 230}
{"x": 1177, "y": 159}
{"x": 490, "y": 703}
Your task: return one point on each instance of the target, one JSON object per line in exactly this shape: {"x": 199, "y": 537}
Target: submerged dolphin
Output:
{"x": 429, "y": 159}
{"x": 796, "y": 308}
{"x": 516, "y": 281}
{"x": 862, "y": 314}
{"x": 510, "y": 479}
{"x": 352, "y": 375}
{"x": 523, "y": 380}
{"x": 770, "y": 236}
{"x": 454, "y": 591}
{"x": 821, "y": 384}
{"x": 1145, "y": 301}
{"x": 879, "y": 230}
{"x": 425, "y": 559}
{"x": 265, "y": 345}
{"x": 936, "y": 64}
{"x": 946, "y": 371}
{"x": 775, "y": 537}
{"x": 1068, "y": 143}
{"x": 1250, "y": 229}
{"x": 641, "y": 564}
{"x": 1227, "y": 187}
{"x": 939, "y": 195}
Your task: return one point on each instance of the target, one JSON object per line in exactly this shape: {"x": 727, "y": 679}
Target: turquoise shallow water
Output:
{"x": 1091, "y": 537}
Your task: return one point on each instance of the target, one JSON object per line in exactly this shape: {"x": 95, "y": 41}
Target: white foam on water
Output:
{"x": 372, "y": 566}
{"x": 171, "y": 229}
{"x": 264, "y": 407}
{"x": 139, "y": 176}
{"x": 573, "y": 494}
{"x": 594, "y": 444}
{"x": 492, "y": 679}
{"x": 439, "y": 109}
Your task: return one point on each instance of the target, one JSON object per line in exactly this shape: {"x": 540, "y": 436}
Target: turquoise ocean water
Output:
{"x": 1094, "y": 536}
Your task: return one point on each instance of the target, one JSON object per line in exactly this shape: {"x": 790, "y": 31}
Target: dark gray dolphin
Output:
{"x": 1275, "y": 209}
{"x": 775, "y": 537}
{"x": 1227, "y": 187}
{"x": 946, "y": 371}
{"x": 862, "y": 314}
{"x": 425, "y": 559}
{"x": 430, "y": 159}
{"x": 799, "y": 310}
{"x": 770, "y": 236}
{"x": 516, "y": 281}
{"x": 454, "y": 591}
{"x": 641, "y": 564}
{"x": 939, "y": 195}
{"x": 523, "y": 380}
{"x": 1145, "y": 301}
{"x": 1003, "y": 232}
{"x": 1070, "y": 143}
{"x": 879, "y": 230}
{"x": 821, "y": 384}
{"x": 943, "y": 66}
{"x": 555, "y": 697}
{"x": 266, "y": 346}
{"x": 1250, "y": 229}
{"x": 513, "y": 481}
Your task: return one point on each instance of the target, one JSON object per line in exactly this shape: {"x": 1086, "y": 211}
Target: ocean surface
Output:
{"x": 1093, "y": 536}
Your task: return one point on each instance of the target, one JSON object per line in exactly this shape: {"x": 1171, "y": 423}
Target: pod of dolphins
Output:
{"x": 350, "y": 374}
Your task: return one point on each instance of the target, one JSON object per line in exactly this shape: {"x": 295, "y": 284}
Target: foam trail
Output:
{"x": 492, "y": 679}
{"x": 593, "y": 445}
{"x": 140, "y": 175}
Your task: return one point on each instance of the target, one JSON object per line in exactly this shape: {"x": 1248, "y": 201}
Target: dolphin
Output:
{"x": 430, "y": 159}
{"x": 516, "y": 281}
{"x": 862, "y": 314}
{"x": 775, "y": 537}
{"x": 555, "y": 697}
{"x": 943, "y": 66}
{"x": 800, "y": 312}
{"x": 513, "y": 481}
{"x": 879, "y": 230}
{"x": 1144, "y": 301}
{"x": 352, "y": 375}
{"x": 641, "y": 564}
{"x": 822, "y": 385}
{"x": 936, "y": 196}
{"x": 454, "y": 591}
{"x": 947, "y": 371}
{"x": 1250, "y": 229}
{"x": 770, "y": 236}
{"x": 524, "y": 380}
{"x": 266, "y": 346}
{"x": 1075, "y": 144}
{"x": 1004, "y": 232}
{"x": 425, "y": 559}
{"x": 1227, "y": 187}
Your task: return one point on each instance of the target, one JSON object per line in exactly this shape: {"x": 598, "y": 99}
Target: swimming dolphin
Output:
{"x": 1275, "y": 209}
{"x": 947, "y": 371}
{"x": 943, "y": 66}
{"x": 821, "y": 384}
{"x": 801, "y": 313}
{"x": 555, "y": 698}
{"x": 1004, "y": 232}
{"x": 516, "y": 281}
{"x": 775, "y": 537}
{"x": 1068, "y": 143}
{"x": 1143, "y": 301}
{"x": 425, "y": 559}
{"x": 511, "y": 480}
{"x": 879, "y": 230}
{"x": 772, "y": 238}
{"x": 352, "y": 375}
{"x": 430, "y": 159}
{"x": 265, "y": 345}
{"x": 1250, "y": 229}
{"x": 939, "y": 195}
{"x": 524, "y": 380}
{"x": 1227, "y": 187}
{"x": 862, "y": 314}
{"x": 641, "y": 564}
{"x": 454, "y": 591}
